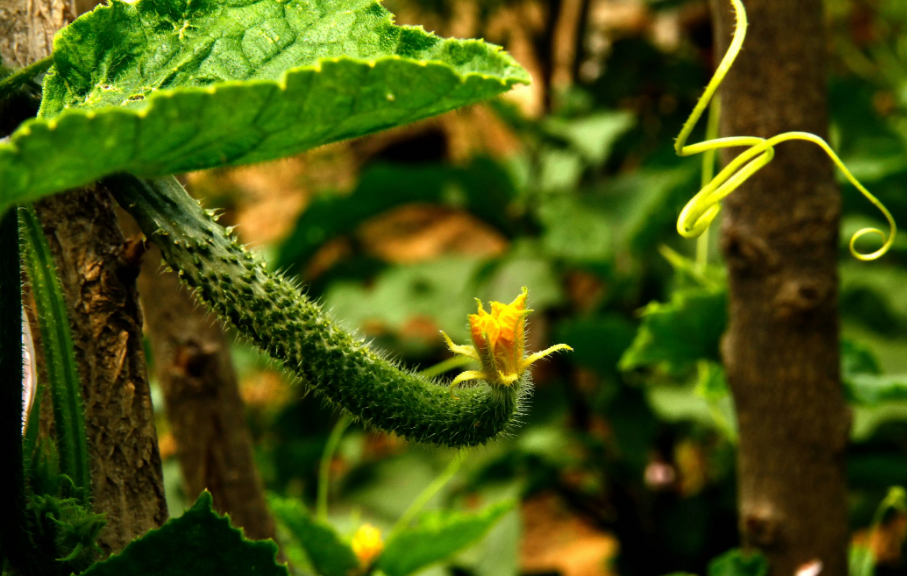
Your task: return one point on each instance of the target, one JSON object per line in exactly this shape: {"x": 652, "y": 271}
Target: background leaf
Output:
{"x": 739, "y": 563}
{"x": 437, "y": 536}
{"x": 482, "y": 187}
{"x": 677, "y": 334}
{"x": 327, "y": 552}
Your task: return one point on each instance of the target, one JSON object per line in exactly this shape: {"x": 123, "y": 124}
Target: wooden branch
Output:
{"x": 127, "y": 482}
{"x": 204, "y": 408}
{"x": 99, "y": 282}
{"x": 780, "y": 241}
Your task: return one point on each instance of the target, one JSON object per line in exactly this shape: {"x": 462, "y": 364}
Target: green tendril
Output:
{"x": 701, "y": 210}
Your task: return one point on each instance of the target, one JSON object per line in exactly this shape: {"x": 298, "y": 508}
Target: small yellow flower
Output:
{"x": 367, "y": 544}
{"x": 499, "y": 339}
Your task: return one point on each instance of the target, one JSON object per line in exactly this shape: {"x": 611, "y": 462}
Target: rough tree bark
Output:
{"x": 780, "y": 240}
{"x": 99, "y": 284}
{"x": 206, "y": 413}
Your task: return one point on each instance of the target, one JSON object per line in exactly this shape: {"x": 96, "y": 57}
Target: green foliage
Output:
{"x": 198, "y": 542}
{"x": 326, "y": 551}
{"x": 598, "y": 342}
{"x": 437, "y": 289}
{"x": 593, "y": 136}
{"x": 68, "y": 529}
{"x": 279, "y": 319}
{"x": 583, "y": 207}
{"x": 165, "y": 86}
{"x": 873, "y": 389}
{"x": 864, "y": 382}
{"x": 739, "y": 563}
{"x": 676, "y": 334}
{"x": 482, "y": 187}
{"x": 437, "y": 536}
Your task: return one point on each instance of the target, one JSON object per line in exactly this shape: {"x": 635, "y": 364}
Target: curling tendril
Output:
{"x": 702, "y": 209}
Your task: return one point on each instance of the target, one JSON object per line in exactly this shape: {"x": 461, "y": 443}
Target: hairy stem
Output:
{"x": 59, "y": 355}
{"x": 276, "y": 316}
{"x": 14, "y": 532}
{"x": 19, "y": 77}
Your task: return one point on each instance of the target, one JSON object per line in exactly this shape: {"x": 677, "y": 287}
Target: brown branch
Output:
{"x": 81, "y": 226}
{"x": 126, "y": 477}
{"x": 204, "y": 408}
{"x": 780, "y": 240}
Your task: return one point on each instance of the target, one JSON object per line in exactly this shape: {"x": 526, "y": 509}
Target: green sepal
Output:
{"x": 69, "y": 529}
{"x": 199, "y": 542}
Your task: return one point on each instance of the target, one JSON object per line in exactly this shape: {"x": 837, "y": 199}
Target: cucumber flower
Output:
{"x": 367, "y": 544}
{"x": 499, "y": 339}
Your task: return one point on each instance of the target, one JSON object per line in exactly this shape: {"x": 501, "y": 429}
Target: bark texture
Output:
{"x": 98, "y": 278}
{"x": 27, "y": 28}
{"x": 206, "y": 413}
{"x": 81, "y": 226}
{"x": 780, "y": 240}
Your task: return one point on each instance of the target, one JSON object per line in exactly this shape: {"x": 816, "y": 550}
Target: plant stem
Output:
{"x": 429, "y": 493}
{"x": 14, "y": 532}
{"x": 19, "y": 77}
{"x": 324, "y": 470}
{"x": 59, "y": 355}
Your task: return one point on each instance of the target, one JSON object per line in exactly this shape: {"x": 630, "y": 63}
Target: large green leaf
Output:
{"x": 197, "y": 543}
{"x": 165, "y": 86}
{"x": 437, "y": 536}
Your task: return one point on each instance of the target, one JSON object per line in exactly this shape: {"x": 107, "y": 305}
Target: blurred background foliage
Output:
{"x": 625, "y": 463}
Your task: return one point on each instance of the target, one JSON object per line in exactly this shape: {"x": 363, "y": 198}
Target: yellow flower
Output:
{"x": 367, "y": 544}
{"x": 499, "y": 339}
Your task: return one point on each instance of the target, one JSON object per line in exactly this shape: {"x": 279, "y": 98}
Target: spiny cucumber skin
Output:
{"x": 279, "y": 319}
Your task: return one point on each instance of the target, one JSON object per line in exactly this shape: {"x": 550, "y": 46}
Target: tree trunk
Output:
{"x": 780, "y": 241}
{"x": 206, "y": 413}
{"x": 99, "y": 285}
